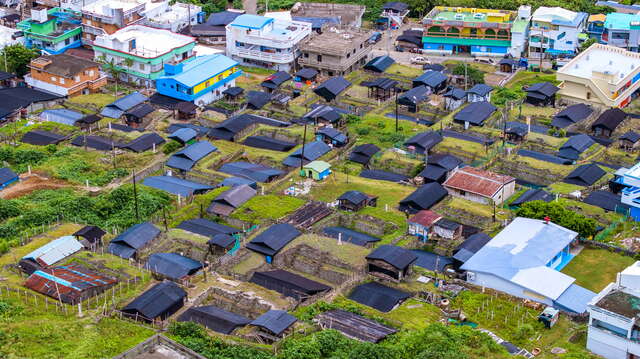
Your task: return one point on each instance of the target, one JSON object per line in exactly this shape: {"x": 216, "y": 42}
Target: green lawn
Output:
{"x": 251, "y": 261}
{"x": 36, "y": 333}
{"x": 269, "y": 206}
{"x": 346, "y": 252}
{"x": 594, "y": 268}
{"x": 404, "y": 70}
{"x": 524, "y": 78}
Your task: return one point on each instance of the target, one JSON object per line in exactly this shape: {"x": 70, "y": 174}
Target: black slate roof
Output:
{"x": 606, "y": 200}
{"x": 570, "y": 115}
{"x": 379, "y": 64}
{"x": 41, "y": 138}
{"x": 541, "y": 90}
{"x": 172, "y": 265}
{"x": 585, "y": 175}
{"x": 275, "y": 321}
{"x": 331, "y": 88}
{"x": 610, "y": 119}
{"x": 424, "y": 197}
{"x": 533, "y": 195}
{"x": 470, "y": 246}
{"x": 414, "y": 96}
{"x": 480, "y": 89}
{"x": 363, "y": 153}
{"x": 475, "y": 113}
{"x": 398, "y": 257}
{"x": 631, "y": 136}
{"x": 307, "y": 73}
{"x": 214, "y": 318}
{"x": 157, "y": 301}
{"x": 424, "y": 141}
{"x": 383, "y": 176}
{"x": 275, "y": 80}
{"x": 355, "y": 197}
{"x": 273, "y": 239}
{"x": 378, "y": 296}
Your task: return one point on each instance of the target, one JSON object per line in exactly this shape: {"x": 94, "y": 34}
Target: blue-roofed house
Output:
{"x": 7, "y": 177}
{"x": 175, "y": 185}
{"x": 307, "y": 153}
{"x": 479, "y": 93}
{"x": 260, "y": 41}
{"x": 331, "y": 136}
{"x": 525, "y": 259}
{"x": 201, "y": 80}
{"x": 186, "y": 158}
{"x": 274, "y": 323}
{"x": 318, "y": 170}
{"x": 575, "y": 146}
{"x": 273, "y": 239}
{"x": 435, "y": 81}
{"x": 61, "y": 115}
{"x": 379, "y": 64}
{"x": 118, "y": 107}
{"x": 184, "y": 135}
{"x": 127, "y": 244}
{"x": 172, "y": 265}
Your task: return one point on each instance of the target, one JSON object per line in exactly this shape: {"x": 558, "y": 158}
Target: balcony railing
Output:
{"x": 265, "y": 56}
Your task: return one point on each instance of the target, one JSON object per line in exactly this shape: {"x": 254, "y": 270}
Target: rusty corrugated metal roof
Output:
{"x": 70, "y": 283}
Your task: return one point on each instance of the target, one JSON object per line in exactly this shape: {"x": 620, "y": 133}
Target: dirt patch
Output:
{"x": 29, "y": 184}
{"x": 494, "y": 79}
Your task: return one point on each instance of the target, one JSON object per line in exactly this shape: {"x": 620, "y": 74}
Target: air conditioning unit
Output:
{"x": 471, "y": 276}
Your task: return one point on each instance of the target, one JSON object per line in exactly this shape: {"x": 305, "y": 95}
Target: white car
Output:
{"x": 420, "y": 60}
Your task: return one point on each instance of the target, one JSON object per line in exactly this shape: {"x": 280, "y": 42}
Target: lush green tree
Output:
{"x": 474, "y": 76}
{"x": 502, "y": 95}
{"x": 171, "y": 147}
{"x": 560, "y": 215}
{"x": 16, "y": 58}
{"x": 585, "y": 45}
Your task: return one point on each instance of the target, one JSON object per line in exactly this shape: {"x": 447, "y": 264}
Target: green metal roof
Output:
{"x": 465, "y": 41}
{"x": 466, "y": 17}
{"x": 519, "y": 25}
{"x": 318, "y": 166}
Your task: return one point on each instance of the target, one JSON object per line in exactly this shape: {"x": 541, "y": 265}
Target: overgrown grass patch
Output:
{"x": 595, "y": 268}
{"x": 267, "y": 207}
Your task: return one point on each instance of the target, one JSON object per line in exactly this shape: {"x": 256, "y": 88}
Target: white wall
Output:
{"x": 493, "y": 282}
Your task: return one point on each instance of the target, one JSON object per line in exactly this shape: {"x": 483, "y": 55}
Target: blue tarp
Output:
{"x": 61, "y": 115}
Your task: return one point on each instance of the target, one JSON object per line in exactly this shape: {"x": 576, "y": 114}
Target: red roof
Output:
{"x": 425, "y": 218}
{"x": 70, "y": 283}
{"x": 477, "y": 181}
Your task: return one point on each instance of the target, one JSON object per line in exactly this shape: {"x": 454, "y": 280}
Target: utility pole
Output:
{"x": 304, "y": 141}
{"x": 396, "y": 92}
{"x": 465, "y": 76}
{"x": 135, "y": 196}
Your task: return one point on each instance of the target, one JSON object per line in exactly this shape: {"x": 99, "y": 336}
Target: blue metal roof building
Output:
{"x": 199, "y": 80}
{"x": 184, "y": 135}
{"x": 61, "y": 115}
{"x": 135, "y": 237}
{"x": 525, "y": 260}
{"x": 7, "y": 177}
{"x": 177, "y": 186}
{"x": 172, "y": 265}
{"x": 118, "y": 107}
{"x": 186, "y": 158}
{"x": 251, "y": 21}
{"x": 312, "y": 151}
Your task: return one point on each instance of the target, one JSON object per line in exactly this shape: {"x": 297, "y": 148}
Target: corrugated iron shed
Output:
{"x": 70, "y": 284}
{"x": 55, "y": 251}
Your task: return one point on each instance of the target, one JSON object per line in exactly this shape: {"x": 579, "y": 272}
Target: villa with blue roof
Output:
{"x": 525, "y": 260}
{"x": 622, "y": 30}
{"x": 200, "y": 80}
{"x": 555, "y": 31}
{"x": 52, "y": 30}
{"x": 260, "y": 41}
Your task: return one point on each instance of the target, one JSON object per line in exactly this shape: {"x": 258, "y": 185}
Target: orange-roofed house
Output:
{"x": 480, "y": 186}
{"x": 420, "y": 224}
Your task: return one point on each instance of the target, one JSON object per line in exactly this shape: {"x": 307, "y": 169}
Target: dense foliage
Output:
{"x": 474, "y": 75}
{"x": 15, "y": 59}
{"x": 560, "y": 215}
{"x": 113, "y": 209}
{"x": 436, "y": 341}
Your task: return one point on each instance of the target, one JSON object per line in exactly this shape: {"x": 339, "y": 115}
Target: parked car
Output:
{"x": 420, "y": 60}
{"x": 377, "y": 36}
{"x": 484, "y": 60}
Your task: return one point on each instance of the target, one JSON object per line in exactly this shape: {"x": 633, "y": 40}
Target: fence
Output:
{"x": 610, "y": 247}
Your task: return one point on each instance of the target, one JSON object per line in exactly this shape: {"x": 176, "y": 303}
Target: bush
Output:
{"x": 559, "y": 215}
{"x": 524, "y": 332}
{"x": 171, "y": 147}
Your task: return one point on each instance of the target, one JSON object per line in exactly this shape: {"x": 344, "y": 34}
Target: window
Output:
{"x": 53, "y": 79}
{"x": 319, "y": 58}
{"x": 569, "y": 42}
{"x": 306, "y": 55}
{"x": 91, "y": 73}
{"x": 62, "y": 80}
{"x": 141, "y": 67}
{"x": 76, "y": 78}
{"x": 348, "y": 55}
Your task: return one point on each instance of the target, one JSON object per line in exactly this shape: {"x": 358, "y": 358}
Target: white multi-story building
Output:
{"x": 172, "y": 17}
{"x": 139, "y": 52}
{"x": 554, "y": 31}
{"x": 265, "y": 42}
{"x": 614, "y": 317}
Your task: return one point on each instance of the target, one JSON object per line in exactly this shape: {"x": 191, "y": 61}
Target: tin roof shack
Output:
{"x": 362, "y": 154}
{"x": 214, "y": 318}
{"x": 172, "y": 266}
{"x": 318, "y": 170}
{"x": 607, "y": 122}
{"x": 356, "y": 200}
{"x": 90, "y": 237}
{"x": 541, "y": 94}
{"x": 480, "y": 186}
{"x": 629, "y": 140}
{"x": 70, "y": 284}
{"x": 425, "y": 197}
{"x": 354, "y": 326}
{"x": 421, "y": 223}
{"x": 378, "y": 296}
{"x": 127, "y": 244}
{"x": 390, "y": 262}
{"x": 571, "y": 115}
{"x": 274, "y": 325}
{"x": 337, "y": 51}
{"x": 289, "y": 284}
{"x": 447, "y": 229}
{"x": 49, "y": 254}
{"x": 273, "y": 239}
{"x": 230, "y": 200}
{"x": 159, "y": 302}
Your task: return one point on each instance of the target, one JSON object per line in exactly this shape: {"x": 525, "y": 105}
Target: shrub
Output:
{"x": 171, "y": 147}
